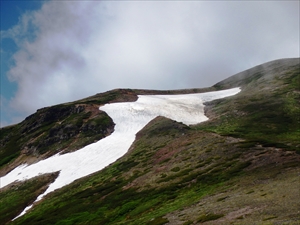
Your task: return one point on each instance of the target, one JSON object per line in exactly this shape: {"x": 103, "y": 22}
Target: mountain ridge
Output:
{"x": 167, "y": 171}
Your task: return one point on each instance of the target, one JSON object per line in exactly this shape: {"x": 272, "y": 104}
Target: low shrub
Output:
{"x": 209, "y": 217}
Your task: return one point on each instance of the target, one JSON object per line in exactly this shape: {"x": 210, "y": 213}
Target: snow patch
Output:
{"x": 129, "y": 117}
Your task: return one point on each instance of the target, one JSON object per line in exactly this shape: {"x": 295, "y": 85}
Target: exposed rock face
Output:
{"x": 57, "y": 128}
{"x": 49, "y": 115}
{"x": 67, "y": 125}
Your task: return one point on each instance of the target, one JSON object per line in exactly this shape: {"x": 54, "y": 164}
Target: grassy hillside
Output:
{"x": 240, "y": 167}
{"x": 266, "y": 111}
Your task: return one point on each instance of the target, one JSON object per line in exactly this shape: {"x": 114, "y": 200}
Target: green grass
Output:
{"x": 20, "y": 195}
{"x": 270, "y": 118}
{"x": 10, "y": 145}
{"x": 9, "y": 158}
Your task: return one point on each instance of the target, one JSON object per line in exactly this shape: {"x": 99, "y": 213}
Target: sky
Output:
{"x": 59, "y": 51}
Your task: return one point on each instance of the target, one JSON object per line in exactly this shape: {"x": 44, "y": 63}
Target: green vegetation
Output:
{"x": 158, "y": 221}
{"x": 266, "y": 112}
{"x": 9, "y": 139}
{"x": 209, "y": 216}
{"x": 9, "y": 158}
{"x": 15, "y": 198}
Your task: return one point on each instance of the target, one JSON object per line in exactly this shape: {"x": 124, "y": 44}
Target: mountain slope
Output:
{"x": 234, "y": 168}
{"x": 267, "y": 110}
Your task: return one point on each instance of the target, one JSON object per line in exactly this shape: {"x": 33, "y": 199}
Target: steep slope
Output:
{"x": 234, "y": 168}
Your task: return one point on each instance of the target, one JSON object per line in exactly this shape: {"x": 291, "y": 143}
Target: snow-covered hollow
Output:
{"x": 129, "y": 117}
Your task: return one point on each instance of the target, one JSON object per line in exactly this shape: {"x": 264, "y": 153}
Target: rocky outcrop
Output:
{"x": 68, "y": 128}
{"x": 50, "y": 130}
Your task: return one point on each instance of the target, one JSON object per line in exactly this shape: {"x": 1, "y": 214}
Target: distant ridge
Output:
{"x": 243, "y": 78}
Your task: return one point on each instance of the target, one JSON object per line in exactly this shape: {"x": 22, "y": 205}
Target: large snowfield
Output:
{"x": 129, "y": 117}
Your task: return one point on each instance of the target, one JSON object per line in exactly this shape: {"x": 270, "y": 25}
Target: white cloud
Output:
{"x": 70, "y": 50}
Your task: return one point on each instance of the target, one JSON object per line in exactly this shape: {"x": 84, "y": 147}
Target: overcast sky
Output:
{"x": 58, "y": 51}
